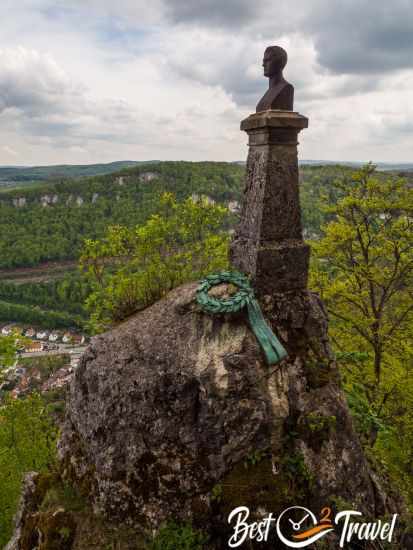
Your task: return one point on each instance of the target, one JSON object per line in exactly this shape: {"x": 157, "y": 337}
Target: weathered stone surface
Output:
{"x": 271, "y": 207}
{"x": 163, "y": 406}
{"x": 53, "y": 516}
{"x": 268, "y": 242}
{"x": 27, "y": 506}
{"x": 170, "y": 403}
{"x": 274, "y": 118}
{"x": 281, "y": 267}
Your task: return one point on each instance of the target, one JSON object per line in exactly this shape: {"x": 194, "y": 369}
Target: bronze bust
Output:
{"x": 280, "y": 94}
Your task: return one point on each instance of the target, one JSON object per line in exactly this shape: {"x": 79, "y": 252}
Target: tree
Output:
{"x": 27, "y": 443}
{"x": 133, "y": 267}
{"x": 8, "y": 350}
{"x": 9, "y": 346}
{"x": 363, "y": 269}
{"x": 365, "y": 263}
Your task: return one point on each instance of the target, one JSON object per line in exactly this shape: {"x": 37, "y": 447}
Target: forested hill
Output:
{"x": 18, "y": 176}
{"x": 49, "y": 222}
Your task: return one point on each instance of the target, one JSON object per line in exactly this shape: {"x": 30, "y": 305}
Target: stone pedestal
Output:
{"x": 268, "y": 243}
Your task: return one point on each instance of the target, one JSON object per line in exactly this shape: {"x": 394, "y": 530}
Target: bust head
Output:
{"x": 275, "y": 59}
{"x": 280, "y": 93}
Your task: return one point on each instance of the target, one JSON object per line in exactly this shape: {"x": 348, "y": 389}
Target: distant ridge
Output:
{"x": 10, "y": 175}
{"x": 380, "y": 165}
{"x": 22, "y": 176}
{"x": 356, "y": 164}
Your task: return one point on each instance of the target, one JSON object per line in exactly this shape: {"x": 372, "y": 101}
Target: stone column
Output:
{"x": 268, "y": 242}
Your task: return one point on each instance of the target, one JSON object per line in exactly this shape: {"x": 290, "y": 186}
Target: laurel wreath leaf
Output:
{"x": 237, "y": 302}
{"x": 272, "y": 347}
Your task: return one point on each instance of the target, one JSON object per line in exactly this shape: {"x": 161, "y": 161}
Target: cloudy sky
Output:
{"x": 99, "y": 80}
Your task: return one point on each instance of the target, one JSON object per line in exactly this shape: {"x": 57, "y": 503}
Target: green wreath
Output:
{"x": 272, "y": 347}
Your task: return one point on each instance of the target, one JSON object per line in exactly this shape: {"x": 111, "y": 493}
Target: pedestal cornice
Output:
{"x": 274, "y": 119}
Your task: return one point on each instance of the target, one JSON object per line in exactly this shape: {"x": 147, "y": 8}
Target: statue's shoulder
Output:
{"x": 280, "y": 96}
{"x": 285, "y": 98}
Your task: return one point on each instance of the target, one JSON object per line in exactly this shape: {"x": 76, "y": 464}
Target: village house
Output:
{"x": 33, "y": 347}
{"x": 67, "y": 338}
{"x": 42, "y": 335}
{"x": 7, "y": 330}
{"x": 54, "y": 336}
{"x": 30, "y": 332}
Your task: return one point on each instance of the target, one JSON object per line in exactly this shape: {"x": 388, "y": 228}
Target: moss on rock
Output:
{"x": 49, "y": 531}
{"x": 265, "y": 486}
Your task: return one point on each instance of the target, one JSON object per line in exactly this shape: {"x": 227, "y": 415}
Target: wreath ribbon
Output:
{"x": 272, "y": 347}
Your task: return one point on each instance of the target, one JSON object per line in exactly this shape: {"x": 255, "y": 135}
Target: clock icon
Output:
{"x": 297, "y": 524}
{"x": 297, "y": 527}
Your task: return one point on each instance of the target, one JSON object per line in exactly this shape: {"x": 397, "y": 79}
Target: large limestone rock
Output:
{"x": 175, "y": 414}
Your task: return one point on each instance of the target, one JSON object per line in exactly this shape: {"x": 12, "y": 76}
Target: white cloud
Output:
{"x": 31, "y": 82}
{"x": 10, "y": 152}
{"x": 103, "y": 80}
{"x": 42, "y": 104}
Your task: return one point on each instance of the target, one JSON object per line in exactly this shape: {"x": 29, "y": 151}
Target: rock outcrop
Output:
{"x": 27, "y": 506}
{"x": 175, "y": 414}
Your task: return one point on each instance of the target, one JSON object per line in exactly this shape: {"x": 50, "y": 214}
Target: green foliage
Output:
{"x": 363, "y": 269}
{"x": 10, "y": 175}
{"x": 317, "y": 191}
{"x": 320, "y": 423}
{"x": 352, "y": 357}
{"x": 33, "y": 233}
{"x": 132, "y": 268}
{"x": 8, "y": 350}
{"x": 37, "y": 316}
{"x": 295, "y": 468}
{"x": 66, "y": 294}
{"x": 217, "y": 493}
{"x": 50, "y": 304}
{"x": 254, "y": 458}
{"x": 367, "y": 420}
{"x": 230, "y": 304}
{"x": 65, "y": 533}
{"x": 63, "y": 495}
{"x": 27, "y": 443}
{"x": 364, "y": 264}
{"x": 175, "y": 536}
{"x": 9, "y": 347}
